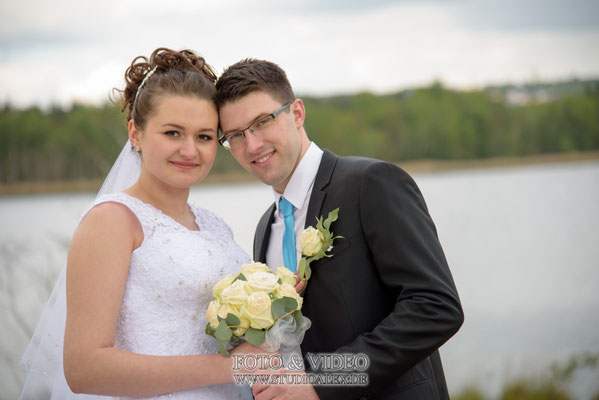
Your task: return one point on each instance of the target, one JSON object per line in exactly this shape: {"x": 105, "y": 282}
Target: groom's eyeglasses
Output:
{"x": 261, "y": 125}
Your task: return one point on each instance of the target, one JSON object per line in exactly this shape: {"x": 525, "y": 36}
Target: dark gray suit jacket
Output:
{"x": 387, "y": 292}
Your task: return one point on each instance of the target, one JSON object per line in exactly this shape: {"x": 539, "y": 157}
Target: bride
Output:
{"x": 142, "y": 262}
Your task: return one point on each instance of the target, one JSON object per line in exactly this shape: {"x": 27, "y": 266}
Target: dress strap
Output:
{"x": 148, "y": 216}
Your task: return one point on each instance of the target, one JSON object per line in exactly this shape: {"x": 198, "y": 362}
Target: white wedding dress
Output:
{"x": 169, "y": 287}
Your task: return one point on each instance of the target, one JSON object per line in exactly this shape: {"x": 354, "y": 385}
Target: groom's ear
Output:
{"x": 299, "y": 113}
{"x": 134, "y": 133}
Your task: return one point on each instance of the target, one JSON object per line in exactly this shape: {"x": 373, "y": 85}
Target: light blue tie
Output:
{"x": 288, "y": 235}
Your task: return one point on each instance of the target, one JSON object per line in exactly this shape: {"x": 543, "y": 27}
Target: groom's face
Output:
{"x": 271, "y": 155}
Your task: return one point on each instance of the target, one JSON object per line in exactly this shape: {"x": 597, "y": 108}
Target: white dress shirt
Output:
{"x": 297, "y": 192}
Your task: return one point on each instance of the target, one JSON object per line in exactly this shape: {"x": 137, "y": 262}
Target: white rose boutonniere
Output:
{"x": 316, "y": 242}
{"x": 311, "y": 241}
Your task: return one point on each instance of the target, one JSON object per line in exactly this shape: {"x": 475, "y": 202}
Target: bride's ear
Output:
{"x": 134, "y": 134}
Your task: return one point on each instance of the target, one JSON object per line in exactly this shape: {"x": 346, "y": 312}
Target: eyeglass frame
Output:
{"x": 273, "y": 114}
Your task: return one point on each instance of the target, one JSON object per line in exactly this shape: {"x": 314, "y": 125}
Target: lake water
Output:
{"x": 522, "y": 243}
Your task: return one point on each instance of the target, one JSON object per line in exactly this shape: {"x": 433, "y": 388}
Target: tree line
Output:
{"x": 434, "y": 122}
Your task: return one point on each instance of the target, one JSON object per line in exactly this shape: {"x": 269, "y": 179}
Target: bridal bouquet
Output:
{"x": 259, "y": 306}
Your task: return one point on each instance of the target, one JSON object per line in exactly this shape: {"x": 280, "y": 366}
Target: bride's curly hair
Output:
{"x": 172, "y": 72}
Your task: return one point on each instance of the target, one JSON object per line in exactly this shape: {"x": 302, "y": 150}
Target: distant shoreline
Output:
{"x": 412, "y": 167}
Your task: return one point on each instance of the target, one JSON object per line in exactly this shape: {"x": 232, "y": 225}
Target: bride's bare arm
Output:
{"x": 97, "y": 271}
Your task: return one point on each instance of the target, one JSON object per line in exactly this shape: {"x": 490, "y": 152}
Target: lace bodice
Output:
{"x": 170, "y": 285}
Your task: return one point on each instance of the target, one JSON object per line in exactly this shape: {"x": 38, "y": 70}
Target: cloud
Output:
{"x": 529, "y": 15}
{"x": 55, "y": 52}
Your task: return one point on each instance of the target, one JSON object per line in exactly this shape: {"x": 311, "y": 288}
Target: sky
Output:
{"x": 60, "y": 51}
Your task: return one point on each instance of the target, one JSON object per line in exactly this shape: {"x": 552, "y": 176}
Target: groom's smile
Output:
{"x": 263, "y": 159}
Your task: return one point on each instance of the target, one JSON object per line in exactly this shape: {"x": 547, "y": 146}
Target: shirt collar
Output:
{"x": 302, "y": 179}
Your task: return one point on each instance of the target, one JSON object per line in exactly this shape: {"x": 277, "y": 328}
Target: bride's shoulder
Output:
{"x": 108, "y": 213}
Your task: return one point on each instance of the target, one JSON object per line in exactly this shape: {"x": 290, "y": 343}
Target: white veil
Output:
{"x": 43, "y": 356}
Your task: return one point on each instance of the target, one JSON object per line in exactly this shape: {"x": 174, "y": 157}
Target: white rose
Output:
{"x": 257, "y": 310}
{"x": 262, "y": 282}
{"x": 220, "y": 285}
{"x": 212, "y": 312}
{"x": 236, "y": 293}
{"x": 311, "y": 241}
{"x": 286, "y": 275}
{"x": 286, "y": 290}
{"x": 248, "y": 269}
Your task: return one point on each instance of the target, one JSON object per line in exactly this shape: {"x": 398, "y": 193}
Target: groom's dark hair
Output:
{"x": 251, "y": 75}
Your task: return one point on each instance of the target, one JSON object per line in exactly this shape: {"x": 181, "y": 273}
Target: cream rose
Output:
{"x": 226, "y": 309}
{"x": 311, "y": 241}
{"x": 262, "y": 282}
{"x": 222, "y": 284}
{"x": 286, "y": 275}
{"x": 286, "y": 290}
{"x": 257, "y": 310}
{"x": 235, "y": 294}
{"x": 248, "y": 269}
{"x": 212, "y": 313}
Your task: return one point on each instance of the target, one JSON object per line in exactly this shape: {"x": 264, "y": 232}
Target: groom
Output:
{"x": 386, "y": 292}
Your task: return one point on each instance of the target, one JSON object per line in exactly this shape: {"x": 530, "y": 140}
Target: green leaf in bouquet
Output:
{"x": 222, "y": 347}
{"x": 254, "y": 336}
{"x": 240, "y": 277}
{"x": 209, "y": 330}
{"x": 297, "y": 315}
{"x": 278, "y": 308}
{"x": 283, "y": 306}
{"x": 223, "y": 332}
{"x": 232, "y": 320}
{"x": 290, "y": 304}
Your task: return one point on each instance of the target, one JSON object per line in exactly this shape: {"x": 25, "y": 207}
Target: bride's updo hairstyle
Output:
{"x": 181, "y": 73}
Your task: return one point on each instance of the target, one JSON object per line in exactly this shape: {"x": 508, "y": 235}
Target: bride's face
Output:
{"x": 178, "y": 143}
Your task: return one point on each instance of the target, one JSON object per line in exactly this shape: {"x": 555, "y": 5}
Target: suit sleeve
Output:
{"x": 403, "y": 241}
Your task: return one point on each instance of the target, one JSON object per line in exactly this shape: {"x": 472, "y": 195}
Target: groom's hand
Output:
{"x": 282, "y": 391}
{"x": 300, "y": 285}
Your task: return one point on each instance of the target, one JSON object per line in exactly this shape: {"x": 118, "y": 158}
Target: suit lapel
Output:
{"x": 319, "y": 190}
{"x": 263, "y": 234}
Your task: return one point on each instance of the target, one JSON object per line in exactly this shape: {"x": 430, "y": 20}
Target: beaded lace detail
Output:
{"x": 170, "y": 285}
